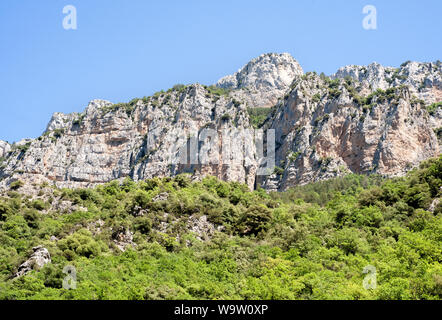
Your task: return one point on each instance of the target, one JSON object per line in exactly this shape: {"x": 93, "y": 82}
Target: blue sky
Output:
{"x": 126, "y": 49}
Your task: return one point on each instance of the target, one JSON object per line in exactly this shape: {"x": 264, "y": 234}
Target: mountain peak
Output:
{"x": 276, "y": 69}
{"x": 265, "y": 79}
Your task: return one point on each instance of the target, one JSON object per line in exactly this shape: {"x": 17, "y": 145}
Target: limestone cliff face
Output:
{"x": 141, "y": 141}
{"x": 370, "y": 119}
{"x": 263, "y": 80}
{"x": 4, "y": 148}
{"x": 423, "y": 79}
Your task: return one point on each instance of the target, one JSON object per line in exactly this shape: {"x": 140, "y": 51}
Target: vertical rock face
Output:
{"x": 263, "y": 80}
{"x": 370, "y": 119}
{"x": 37, "y": 260}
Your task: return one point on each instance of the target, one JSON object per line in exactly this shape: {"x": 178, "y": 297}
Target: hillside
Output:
{"x": 178, "y": 238}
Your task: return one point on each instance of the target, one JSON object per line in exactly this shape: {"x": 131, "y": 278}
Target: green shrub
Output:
{"x": 39, "y": 204}
{"x": 58, "y": 133}
{"x": 214, "y": 90}
{"x": 316, "y": 98}
{"x": 16, "y": 185}
{"x": 294, "y": 155}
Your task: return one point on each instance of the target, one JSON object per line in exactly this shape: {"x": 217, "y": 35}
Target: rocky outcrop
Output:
{"x": 263, "y": 80}
{"x": 201, "y": 227}
{"x": 325, "y": 128}
{"x": 434, "y": 204}
{"x": 36, "y": 261}
{"x": 423, "y": 79}
{"x": 371, "y": 119}
{"x": 374, "y": 75}
{"x": 4, "y": 148}
{"x": 123, "y": 238}
{"x": 143, "y": 139}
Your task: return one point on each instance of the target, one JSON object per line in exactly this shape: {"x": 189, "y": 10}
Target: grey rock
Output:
{"x": 104, "y": 144}
{"x": 434, "y": 204}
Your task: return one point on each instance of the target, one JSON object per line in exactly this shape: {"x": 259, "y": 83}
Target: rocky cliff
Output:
{"x": 371, "y": 119}
{"x": 140, "y": 140}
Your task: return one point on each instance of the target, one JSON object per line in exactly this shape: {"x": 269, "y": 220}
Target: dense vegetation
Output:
{"x": 311, "y": 242}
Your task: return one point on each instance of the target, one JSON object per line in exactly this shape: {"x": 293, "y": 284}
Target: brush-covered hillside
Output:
{"x": 178, "y": 238}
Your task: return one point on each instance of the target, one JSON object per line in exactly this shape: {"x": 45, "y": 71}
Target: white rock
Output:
{"x": 4, "y": 148}
{"x": 36, "y": 261}
{"x": 263, "y": 80}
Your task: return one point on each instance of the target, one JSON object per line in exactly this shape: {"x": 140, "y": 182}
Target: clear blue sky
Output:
{"x": 126, "y": 49}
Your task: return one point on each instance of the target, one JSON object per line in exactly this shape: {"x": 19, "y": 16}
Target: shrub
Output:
{"x": 278, "y": 171}
{"x": 58, "y": 133}
{"x": 294, "y": 155}
{"x": 310, "y": 242}
{"x": 5, "y": 210}
{"x": 178, "y": 87}
{"x": 217, "y": 91}
{"x": 432, "y": 108}
{"x": 334, "y": 92}
{"x": 23, "y": 148}
{"x": 254, "y": 220}
{"x": 316, "y": 98}
{"x": 405, "y": 63}
{"x": 31, "y": 216}
{"x": 143, "y": 225}
{"x": 79, "y": 120}
{"x": 16, "y": 185}
{"x": 38, "y": 204}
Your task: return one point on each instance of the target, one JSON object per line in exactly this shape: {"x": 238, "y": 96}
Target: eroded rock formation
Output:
{"x": 371, "y": 119}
